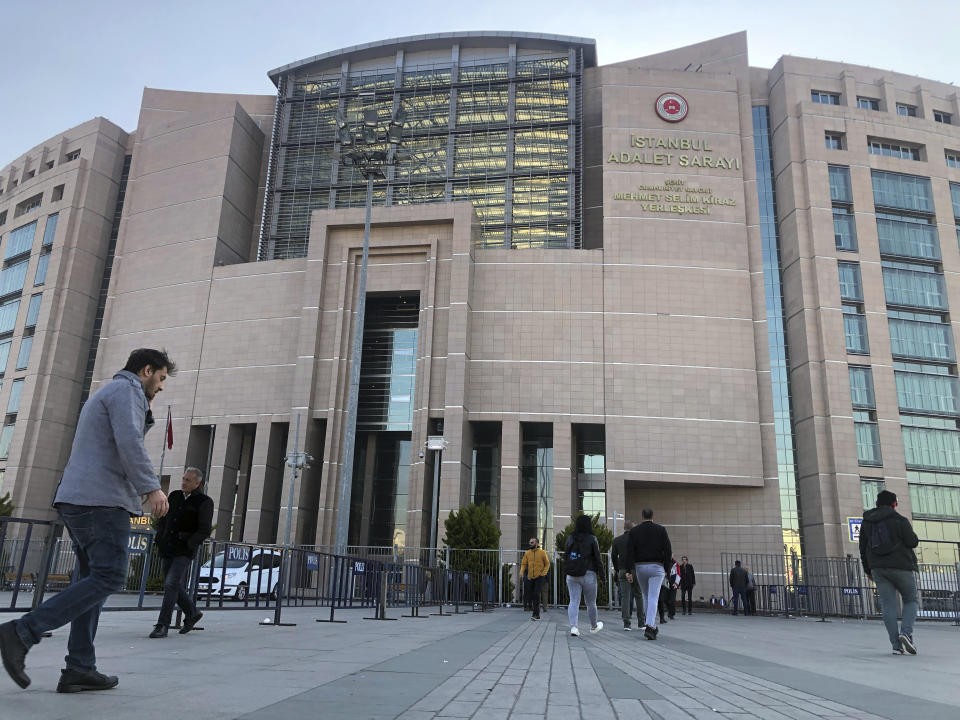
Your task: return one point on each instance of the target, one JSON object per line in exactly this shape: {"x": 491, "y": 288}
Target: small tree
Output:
{"x": 6, "y": 506}
{"x": 472, "y": 535}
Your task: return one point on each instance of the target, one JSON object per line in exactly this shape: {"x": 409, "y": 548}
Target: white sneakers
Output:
{"x": 597, "y": 628}
{"x": 574, "y": 631}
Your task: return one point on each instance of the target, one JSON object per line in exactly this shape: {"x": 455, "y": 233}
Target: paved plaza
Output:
{"x": 489, "y": 666}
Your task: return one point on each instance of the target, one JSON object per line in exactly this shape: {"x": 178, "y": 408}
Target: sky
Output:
{"x": 67, "y": 61}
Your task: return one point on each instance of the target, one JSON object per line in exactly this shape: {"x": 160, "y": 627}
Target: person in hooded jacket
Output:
{"x": 582, "y": 542}
{"x": 887, "y": 541}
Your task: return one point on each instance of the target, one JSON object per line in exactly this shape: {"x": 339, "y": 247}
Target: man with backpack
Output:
{"x": 886, "y": 550}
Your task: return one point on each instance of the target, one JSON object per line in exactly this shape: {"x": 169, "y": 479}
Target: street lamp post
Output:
{"x": 358, "y": 151}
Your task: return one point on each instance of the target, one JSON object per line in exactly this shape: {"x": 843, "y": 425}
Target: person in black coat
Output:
{"x": 179, "y": 534}
{"x": 688, "y": 578}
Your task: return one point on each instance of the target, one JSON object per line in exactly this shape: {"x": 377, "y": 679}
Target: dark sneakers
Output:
{"x": 191, "y": 622}
{"x": 72, "y": 681}
{"x": 159, "y": 631}
{"x": 906, "y": 642}
{"x": 650, "y": 633}
{"x": 14, "y": 654}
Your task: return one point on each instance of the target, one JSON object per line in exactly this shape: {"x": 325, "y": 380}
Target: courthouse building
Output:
{"x": 720, "y": 291}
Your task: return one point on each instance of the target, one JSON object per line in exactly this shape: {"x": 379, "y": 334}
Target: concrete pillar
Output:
{"x": 222, "y": 482}
{"x": 510, "y": 486}
{"x": 255, "y": 483}
{"x": 564, "y": 488}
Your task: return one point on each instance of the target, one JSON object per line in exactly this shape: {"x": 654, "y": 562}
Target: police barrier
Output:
{"x": 27, "y": 553}
{"x": 837, "y": 587}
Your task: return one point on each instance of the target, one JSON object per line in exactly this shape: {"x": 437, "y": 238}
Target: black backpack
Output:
{"x": 577, "y": 562}
{"x": 881, "y": 543}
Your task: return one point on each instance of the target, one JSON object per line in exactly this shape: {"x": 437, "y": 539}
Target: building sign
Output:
{"x": 850, "y": 591}
{"x": 139, "y": 523}
{"x": 691, "y": 152}
{"x": 672, "y": 107}
{"x": 238, "y": 553}
{"x": 313, "y": 561}
{"x": 677, "y": 198}
{"x": 853, "y": 527}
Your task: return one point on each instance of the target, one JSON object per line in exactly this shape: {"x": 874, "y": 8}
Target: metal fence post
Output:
{"x": 49, "y": 553}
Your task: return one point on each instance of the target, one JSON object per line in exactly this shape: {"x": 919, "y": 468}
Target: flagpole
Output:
{"x": 163, "y": 446}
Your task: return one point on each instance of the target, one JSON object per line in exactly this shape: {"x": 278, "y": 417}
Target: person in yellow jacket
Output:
{"x": 534, "y": 569}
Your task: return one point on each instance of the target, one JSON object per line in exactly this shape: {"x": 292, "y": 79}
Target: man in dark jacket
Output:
{"x": 629, "y": 591}
{"x": 688, "y": 578}
{"x": 887, "y": 541}
{"x": 179, "y": 534}
{"x": 738, "y": 583}
{"x": 648, "y": 555}
{"x": 105, "y": 481}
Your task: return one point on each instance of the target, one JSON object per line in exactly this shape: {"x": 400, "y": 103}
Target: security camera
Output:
{"x": 421, "y": 453}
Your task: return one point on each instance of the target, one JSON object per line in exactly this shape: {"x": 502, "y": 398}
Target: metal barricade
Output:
{"x": 27, "y": 553}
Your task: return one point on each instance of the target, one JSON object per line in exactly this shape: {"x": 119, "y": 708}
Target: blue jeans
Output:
{"x": 175, "y": 571}
{"x": 99, "y": 537}
{"x": 889, "y": 583}
{"x": 738, "y": 595}
{"x": 587, "y": 586}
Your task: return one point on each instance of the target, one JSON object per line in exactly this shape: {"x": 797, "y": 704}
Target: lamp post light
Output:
{"x": 361, "y": 149}
{"x": 436, "y": 443}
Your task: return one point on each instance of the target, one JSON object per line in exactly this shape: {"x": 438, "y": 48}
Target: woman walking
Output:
{"x": 582, "y": 566}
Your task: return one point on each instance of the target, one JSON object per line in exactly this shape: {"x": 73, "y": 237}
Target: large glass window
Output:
{"x": 4, "y": 356}
{"x": 869, "y": 489}
{"x": 485, "y": 471}
{"x": 536, "y": 482}
{"x": 844, "y": 229}
{"x": 906, "y": 236}
{"x": 388, "y": 364}
{"x": 921, "y": 337}
{"x": 590, "y": 450}
{"x": 8, "y": 315}
{"x": 16, "y": 391}
{"x": 931, "y": 443}
{"x": 825, "y": 98}
{"x": 43, "y": 262}
{"x": 13, "y": 278}
{"x": 861, "y": 387}
{"x": 904, "y": 192}
{"x": 855, "y": 330}
{"x": 6, "y": 437}
{"x": 914, "y": 286}
{"x": 851, "y": 287}
{"x": 928, "y": 393}
{"x": 868, "y": 103}
{"x": 868, "y": 439}
{"x": 33, "y": 310}
{"x": 935, "y": 502}
{"x": 20, "y": 240}
{"x": 50, "y": 229}
{"x": 23, "y": 356}
{"x": 893, "y": 149}
{"x": 840, "y": 188}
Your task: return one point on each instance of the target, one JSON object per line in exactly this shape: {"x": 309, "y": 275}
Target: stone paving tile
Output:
{"x": 630, "y": 709}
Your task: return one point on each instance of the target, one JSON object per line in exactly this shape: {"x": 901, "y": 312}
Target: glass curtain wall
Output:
{"x": 381, "y": 479}
{"x": 590, "y": 449}
{"x": 776, "y": 337}
{"x": 502, "y": 133}
{"x": 536, "y": 483}
{"x": 928, "y": 389}
{"x": 485, "y": 471}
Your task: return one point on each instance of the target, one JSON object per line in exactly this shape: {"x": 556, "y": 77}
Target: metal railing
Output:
{"x": 838, "y": 587}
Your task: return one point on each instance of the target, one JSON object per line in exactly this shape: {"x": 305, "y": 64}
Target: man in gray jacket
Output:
{"x": 105, "y": 478}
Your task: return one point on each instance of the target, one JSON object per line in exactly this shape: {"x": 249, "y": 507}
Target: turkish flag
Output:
{"x": 169, "y": 430}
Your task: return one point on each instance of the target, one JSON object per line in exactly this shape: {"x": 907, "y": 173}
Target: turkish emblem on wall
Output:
{"x": 672, "y": 107}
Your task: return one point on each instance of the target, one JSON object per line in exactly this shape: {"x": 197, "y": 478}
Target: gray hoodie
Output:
{"x": 109, "y": 465}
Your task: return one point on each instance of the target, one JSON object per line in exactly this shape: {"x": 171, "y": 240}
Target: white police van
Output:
{"x": 241, "y": 572}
